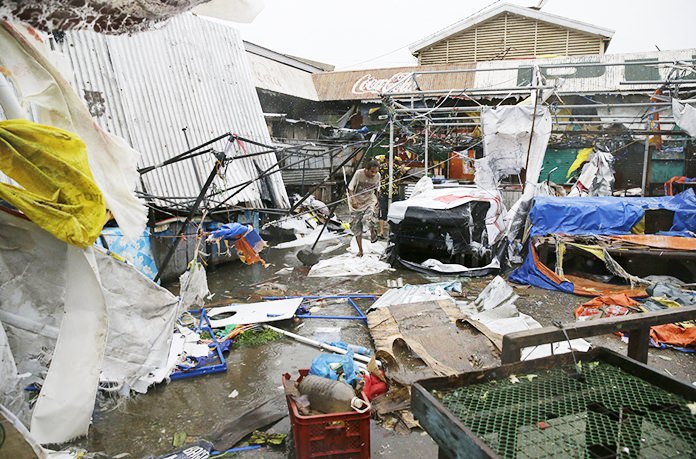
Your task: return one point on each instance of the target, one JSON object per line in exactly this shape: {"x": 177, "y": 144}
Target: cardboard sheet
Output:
{"x": 422, "y": 340}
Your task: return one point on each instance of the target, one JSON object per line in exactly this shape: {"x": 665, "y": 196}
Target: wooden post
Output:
{"x": 646, "y": 159}
{"x": 637, "y": 324}
{"x": 638, "y": 341}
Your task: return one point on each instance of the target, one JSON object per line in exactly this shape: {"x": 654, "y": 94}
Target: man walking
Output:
{"x": 362, "y": 192}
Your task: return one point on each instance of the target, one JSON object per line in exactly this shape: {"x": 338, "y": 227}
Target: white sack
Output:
{"x": 51, "y": 299}
{"x": 194, "y": 286}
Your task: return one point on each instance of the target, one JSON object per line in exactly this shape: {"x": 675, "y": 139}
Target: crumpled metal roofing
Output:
{"x": 191, "y": 74}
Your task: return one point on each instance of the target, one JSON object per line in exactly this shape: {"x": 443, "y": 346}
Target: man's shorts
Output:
{"x": 362, "y": 219}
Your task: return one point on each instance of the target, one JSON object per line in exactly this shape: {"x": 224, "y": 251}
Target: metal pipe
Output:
{"x": 515, "y": 89}
{"x": 196, "y": 171}
{"x": 653, "y": 82}
{"x": 582, "y": 123}
{"x": 391, "y": 160}
{"x": 427, "y": 135}
{"x": 535, "y": 94}
{"x": 476, "y": 108}
{"x": 189, "y": 217}
{"x": 633, "y": 132}
{"x": 319, "y": 344}
{"x": 563, "y": 123}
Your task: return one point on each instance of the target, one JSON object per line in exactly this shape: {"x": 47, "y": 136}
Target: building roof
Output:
{"x": 292, "y": 61}
{"x": 515, "y": 9}
{"x": 570, "y": 74}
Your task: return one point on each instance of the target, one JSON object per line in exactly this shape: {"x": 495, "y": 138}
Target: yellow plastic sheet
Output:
{"x": 579, "y": 159}
{"x": 57, "y": 192}
{"x": 593, "y": 249}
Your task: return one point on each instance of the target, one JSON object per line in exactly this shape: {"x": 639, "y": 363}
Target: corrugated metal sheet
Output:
{"x": 307, "y": 177}
{"x": 191, "y": 74}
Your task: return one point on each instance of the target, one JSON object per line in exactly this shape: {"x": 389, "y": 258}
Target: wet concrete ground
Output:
{"x": 146, "y": 424}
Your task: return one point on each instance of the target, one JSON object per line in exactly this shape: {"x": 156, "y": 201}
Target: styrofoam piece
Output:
{"x": 253, "y": 313}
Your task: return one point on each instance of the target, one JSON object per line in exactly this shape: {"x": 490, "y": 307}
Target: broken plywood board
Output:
{"x": 421, "y": 340}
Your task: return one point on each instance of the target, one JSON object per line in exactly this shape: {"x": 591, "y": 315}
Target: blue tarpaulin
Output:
{"x": 530, "y": 274}
{"x": 233, "y": 231}
{"x": 607, "y": 215}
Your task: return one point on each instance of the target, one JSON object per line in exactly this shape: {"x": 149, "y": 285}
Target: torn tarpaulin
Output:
{"x": 596, "y": 177}
{"x": 246, "y": 240}
{"x": 685, "y": 116}
{"x": 507, "y": 147}
{"x": 499, "y": 314}
{"x": 515, "y": 138}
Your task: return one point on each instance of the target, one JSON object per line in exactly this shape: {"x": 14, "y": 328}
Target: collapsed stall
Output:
{"x": 597, "y": 245}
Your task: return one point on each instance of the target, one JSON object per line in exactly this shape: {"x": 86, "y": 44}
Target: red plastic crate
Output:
{"x": 335, "y": 435}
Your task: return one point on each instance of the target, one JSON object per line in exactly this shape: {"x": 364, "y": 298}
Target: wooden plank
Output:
{"x": 514, "y": 342}
{"x": 496, "y": 338}
{"x": 638, "y": 342}
{"x": 454, "y": 439}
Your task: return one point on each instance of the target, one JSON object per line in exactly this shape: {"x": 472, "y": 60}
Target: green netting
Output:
{"x": 602, "y": 413}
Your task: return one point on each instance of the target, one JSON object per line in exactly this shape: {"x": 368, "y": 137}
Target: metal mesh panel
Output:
{"x": 603, "y": 413}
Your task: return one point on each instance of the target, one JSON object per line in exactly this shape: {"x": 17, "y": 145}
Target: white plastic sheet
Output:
{"x": 454, "y": 268}
{"x": 63, "y": 409}
{"x": 506, "y": 139}
{"x": 507, "y": 150}
{"x": 310, "y": 238}
{"x": 685, "y": 116}
{"x": 597, "y": 176}
{"x": 414, "y": 294}
{"x": 194, "y": 286}
{"x": 497, "y": 311}
{"x": 10, "y": 391}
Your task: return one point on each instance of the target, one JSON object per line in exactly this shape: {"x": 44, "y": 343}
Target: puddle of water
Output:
{"x": 146, "y": 424}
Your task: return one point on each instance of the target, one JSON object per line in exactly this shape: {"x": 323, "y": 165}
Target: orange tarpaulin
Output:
{"x": 674, "y": 335}
{"x": 660, "y": 242}
{"x": 617, "y": 299}
{"x": 588, "y": 287}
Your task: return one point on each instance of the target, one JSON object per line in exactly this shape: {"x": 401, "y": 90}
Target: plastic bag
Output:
{"x": 194, "y": 286}
{"x": 336, "y": 367}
